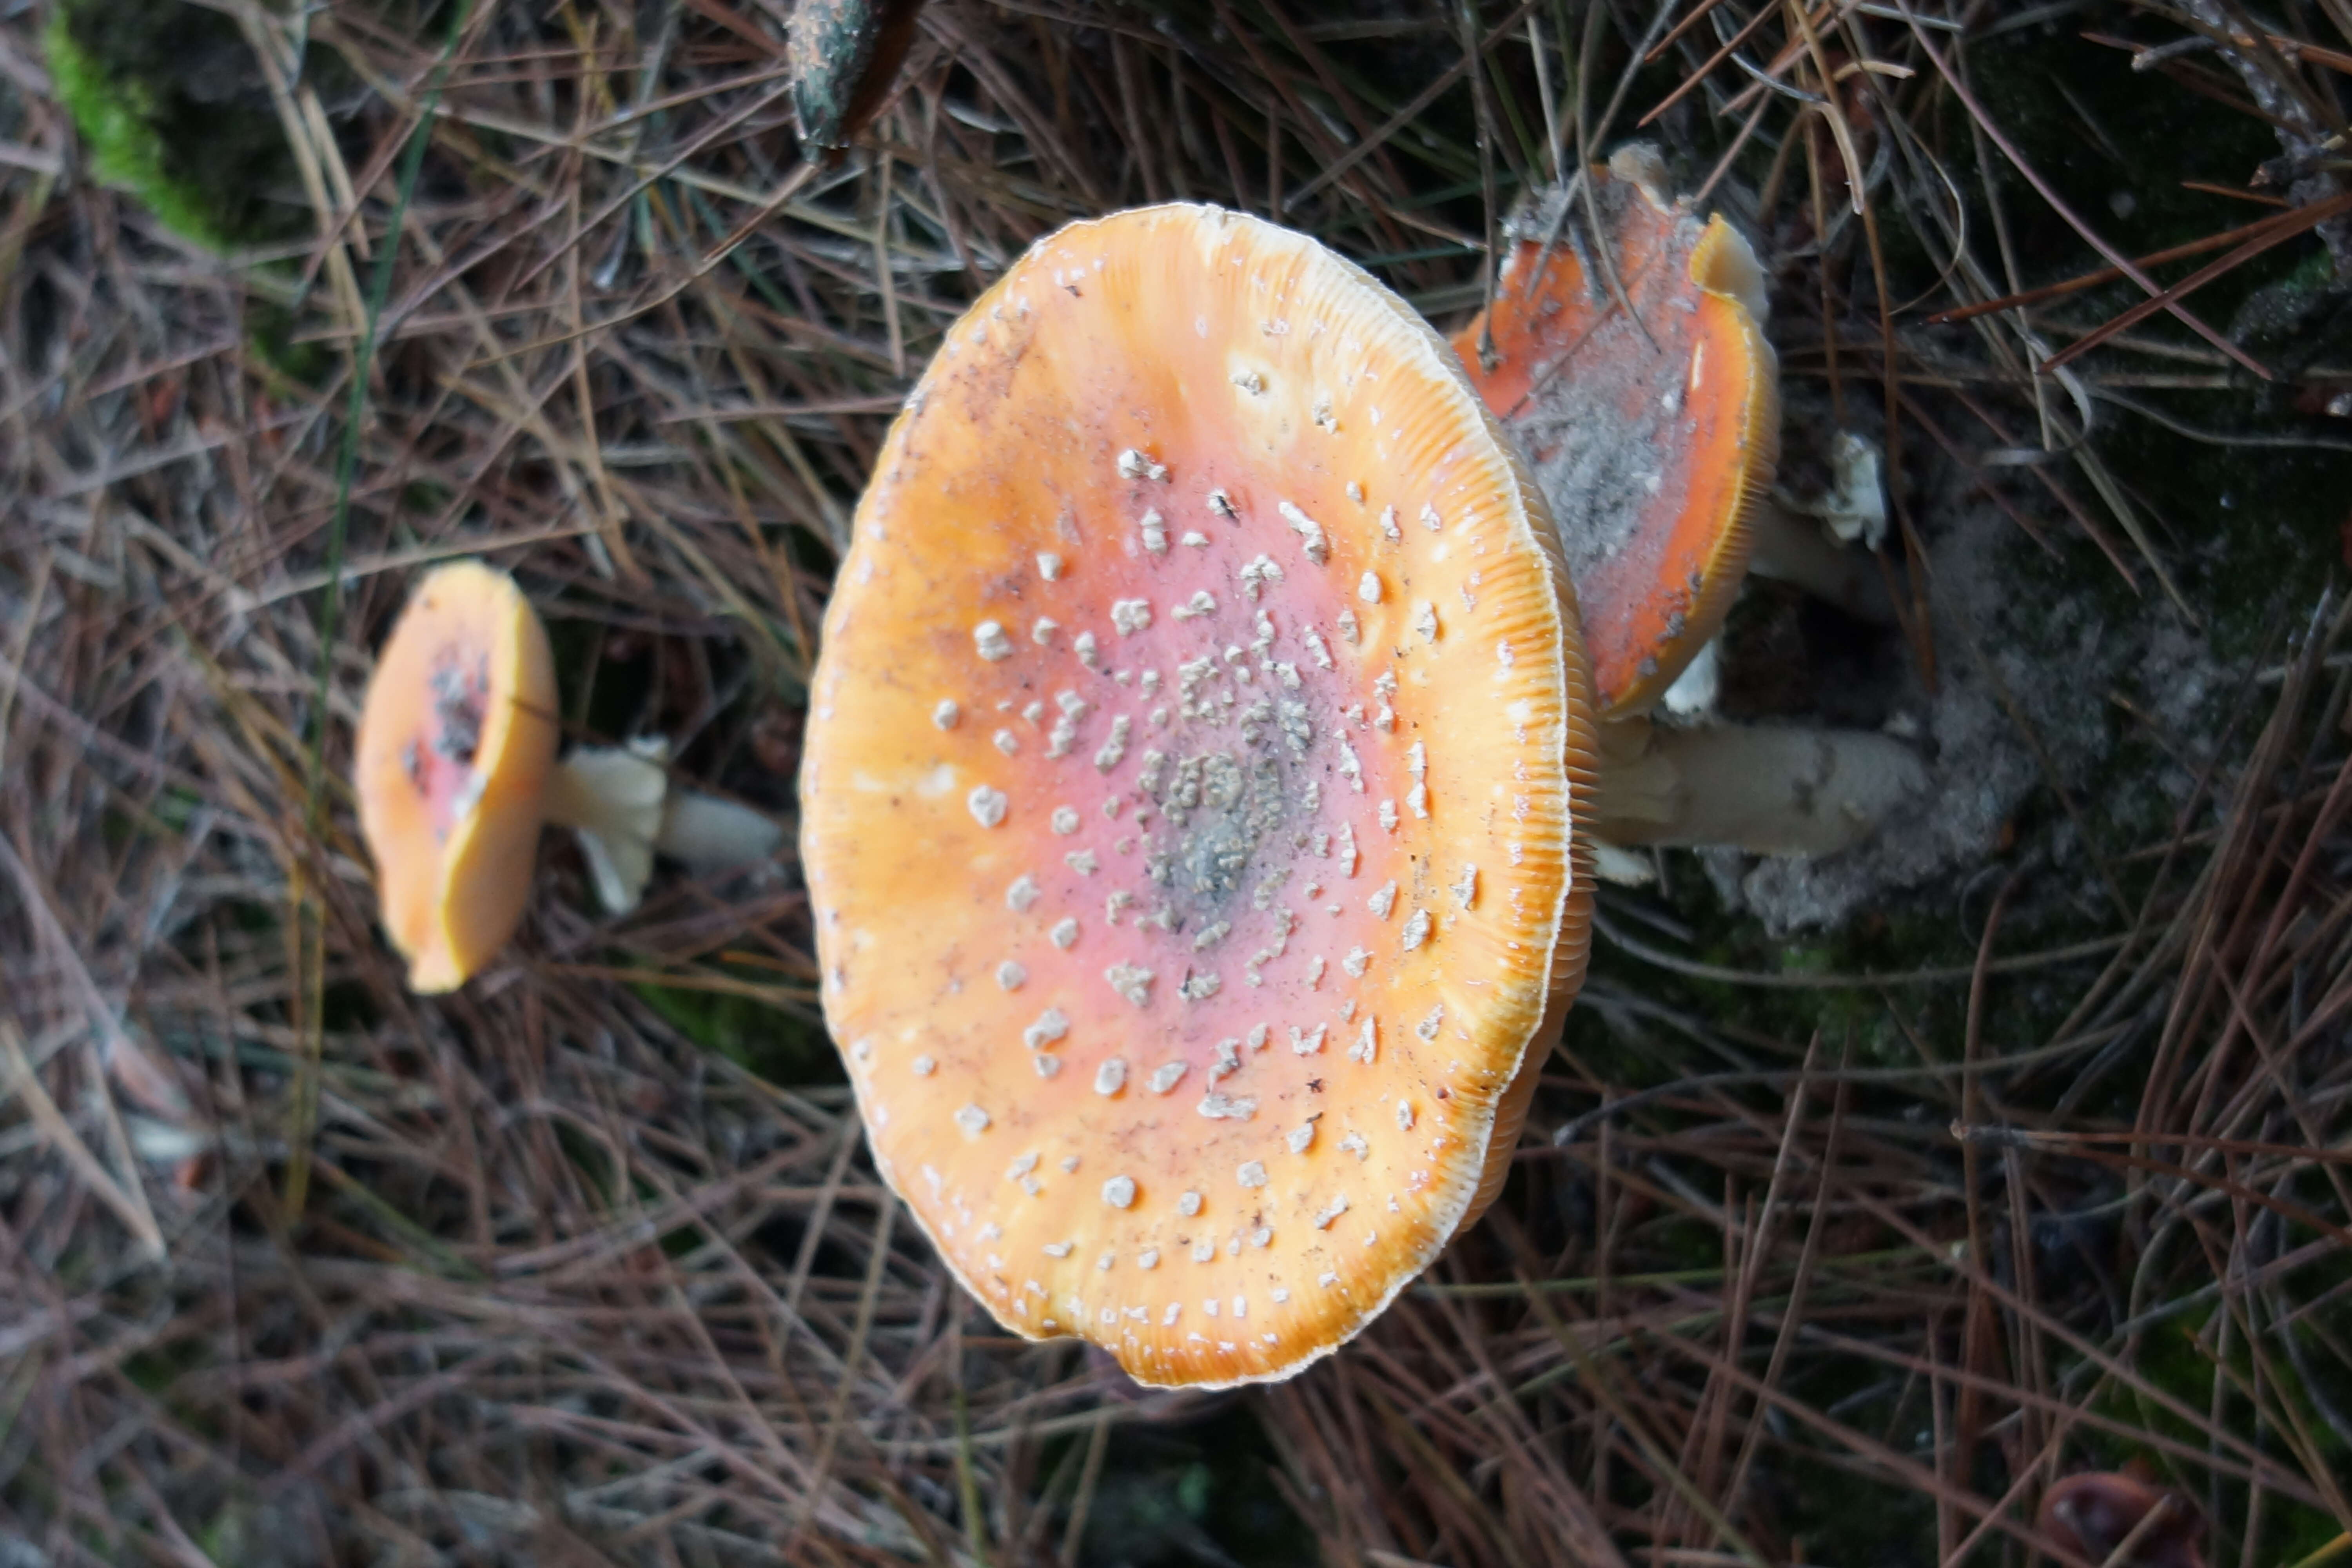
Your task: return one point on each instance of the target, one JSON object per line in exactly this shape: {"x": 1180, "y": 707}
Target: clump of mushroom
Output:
{"x": 1654, "y": 432}
{"x": 1190, "y": 797}
{"x": 455, "y": 771}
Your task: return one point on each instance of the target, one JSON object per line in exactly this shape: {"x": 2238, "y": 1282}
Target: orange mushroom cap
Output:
{"x": 456, "y": 742}
{"x": 1654, "y": 441}
{"x": 1189, "y": 797}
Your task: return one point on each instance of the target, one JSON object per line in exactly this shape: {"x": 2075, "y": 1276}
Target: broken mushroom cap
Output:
{"x": 1188, "y": 796}
{"x": 1654, "y": 436}
{"x": 457, "y": 739}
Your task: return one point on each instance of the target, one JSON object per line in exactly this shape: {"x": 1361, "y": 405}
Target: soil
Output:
{"x": 2030, "y": 690}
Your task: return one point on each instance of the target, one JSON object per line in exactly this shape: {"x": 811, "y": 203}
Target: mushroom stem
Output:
{"x": 1794, "y": 550}
{"x": 1769, "y": 791}
{"x": 705, "y": 833}
{"x": 618, "y": 798}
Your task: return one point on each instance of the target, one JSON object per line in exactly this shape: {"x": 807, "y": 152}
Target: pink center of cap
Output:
{"x": 1186, "y": 784}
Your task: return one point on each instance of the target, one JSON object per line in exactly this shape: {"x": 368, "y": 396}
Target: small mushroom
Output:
{"x": 1187, "y": 797}
{"x": 1656, "y": 440}
{"x": 2093, "y": 1515}
{"x": 1653, "y": 434}
{"x": 455, "y": 771}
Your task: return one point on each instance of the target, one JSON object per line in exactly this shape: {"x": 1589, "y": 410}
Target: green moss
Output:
{"x": 154, "y": 1370}
{"x": 225, "y": 1538}
{"x": 1201, "y": 1493}
{"x": 2116, "y": 144}
{"x": 2172, "y": 1359}
{"x": 116, "y": 123}
{"x": 172, "y": 108}
{"x": 770, "y": 1043}
{"x": 2246, "y": 531}
{"x": 1839, "y": 1521}
{"x": 1875, "y": 1025}
{"x": 270, "y": 330}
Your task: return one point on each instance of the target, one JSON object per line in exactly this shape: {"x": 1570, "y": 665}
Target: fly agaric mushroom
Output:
{"x": 1654, "y": 435}
{"x": 455, "y": 771}
{"x": 455, "y": 743}
{"x": 1188, "y": 797}
{"x": 1653, "y": 432}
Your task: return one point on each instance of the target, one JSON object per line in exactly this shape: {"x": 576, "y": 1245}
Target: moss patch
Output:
{"x": 770, "y": 1043}
{"x": 172, "y": 108}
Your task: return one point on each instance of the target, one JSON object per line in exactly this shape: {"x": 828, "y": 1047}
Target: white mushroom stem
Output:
{"x": 1769, "y": 791}
{"x": 618, "y": 799}
{"x": 1798, "y": 550}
